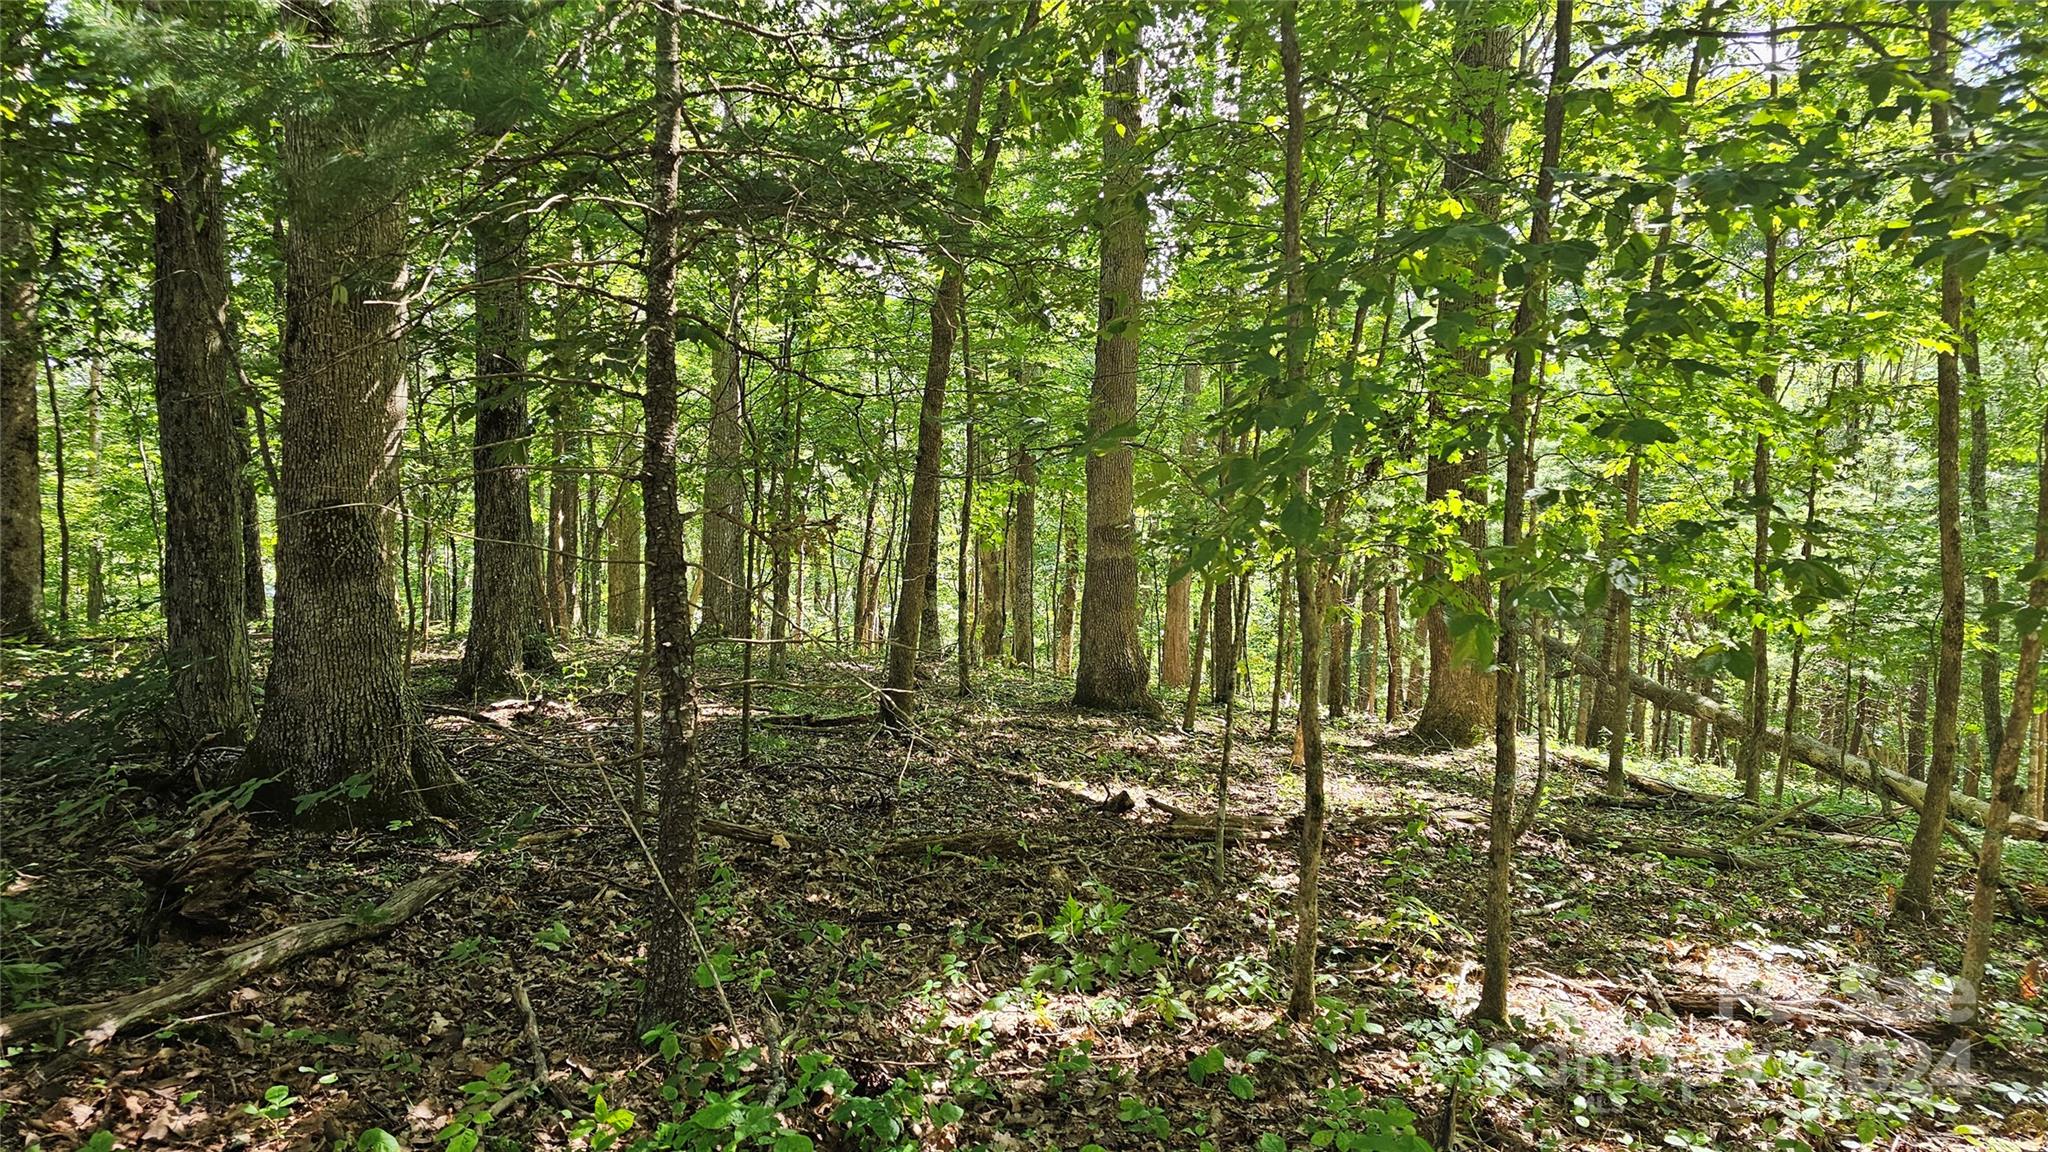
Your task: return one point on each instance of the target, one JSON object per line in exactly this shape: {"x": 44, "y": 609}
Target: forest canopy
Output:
{"x": 1048, "y": 573}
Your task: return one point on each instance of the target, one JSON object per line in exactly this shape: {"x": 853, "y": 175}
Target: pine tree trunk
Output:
{"x": 337, "y": 715}
{"x": 21, "y": 478}
{"x": 503, "y": 592}
{"x": 671, "y": 965}
{"x": 1023, "y": 557}
{"x": 204, "y": 609}
{"x": 1112, "y": 671}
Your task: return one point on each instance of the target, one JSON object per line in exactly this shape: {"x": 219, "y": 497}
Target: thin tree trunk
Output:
{"x": 1390, "y": 617}
{"x": 63, "y": 517}
{"x": 205, "y": 614}
{"x": 1173, "y": 635}
{"x": 721, "y": 536}
{"x": 1063, "y": 614}
{"x": 622, "y": 591}
{"x": 1990, "y": 682}
{"x": 1619, "y": 623}
{"x": 1916, "y": 892}
{"x": 2005, "y": 793}
{"x": 671, "y": 965}
{"x": 1187, "y": 715}
{"x": 1023, "y": 557}
{"x": 1282, "y": 651}
{"x": 1530, "y": 318}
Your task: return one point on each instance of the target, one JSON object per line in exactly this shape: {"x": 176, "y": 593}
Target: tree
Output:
{"x": 340, "y": 730}
{"x": 1458, "y": 709}
{"x": 203, "y": 581}
{"x": 21, "y": 493}
{"x": 1111, "y": 672}
{"x": 1916, "y": 891}
{"x": 723, "y": 551}
{"x": 671, "y": 967}
{"x": 504, "y": 592}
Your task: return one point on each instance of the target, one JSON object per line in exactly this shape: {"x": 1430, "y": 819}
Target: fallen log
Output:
{"x": 1832, "y": 761}
{"x": 101, "y": 1021}
{"x": 1594, "y": 838}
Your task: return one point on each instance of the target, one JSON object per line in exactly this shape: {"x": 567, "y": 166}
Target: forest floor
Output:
{"x": 1060, "y": 969}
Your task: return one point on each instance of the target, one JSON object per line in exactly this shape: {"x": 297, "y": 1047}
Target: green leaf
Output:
{"x": 1410, "y": 12}
{"x": 377, "y": 1140}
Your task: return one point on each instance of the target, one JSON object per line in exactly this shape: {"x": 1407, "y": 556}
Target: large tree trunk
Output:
{"x": 1023, "y": 555}
{"x": 1112, "y": 672}
{"x": 503, "y": 592}
{"x": 21, "y": 477}
{"x": 337, "y": 716}
{"x": 671, "y": 965}
{"x": 722, "y": 535}
{"x": 1458, "y": 709}
{"x": 1916, "y": 892}
{"x": 203, "y": 590}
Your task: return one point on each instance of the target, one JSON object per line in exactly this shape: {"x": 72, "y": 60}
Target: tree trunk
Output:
{"x": 96, "y": 546}
{"x": 1990, "y": 683}
{"x": 1916, "y": 724}
{"x": 1390, "y": 619}
{"x": 1752, "y": 769}
{"x": 1112, "y": 671}
{"x": 63, "y": 518}
{"x": 1619, "y": 625}
{"x": 565, "y": 487}
{"x": 1023, "y": 554}
{"x": 1063, "y": 611}
{"x": 338, "y": 718}
{"x": 21, "y": 477}
{"x": 725, "y": 491}
{"x": 1531, "y": 314}
{"x": 1916, "y": 892}
{"x": 1459, "y": 708}
{"x": 622, "y": 591}
{"x": 203, "y": 592}
{"x": 503, "y": 592}
{"x": 671, "y": 964}
{"x": 2005, "y": 787}
{"x": 1175, "y": 631}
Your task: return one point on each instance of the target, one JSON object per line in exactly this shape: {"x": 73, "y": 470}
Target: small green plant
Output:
{"x": 277, "y": 1103}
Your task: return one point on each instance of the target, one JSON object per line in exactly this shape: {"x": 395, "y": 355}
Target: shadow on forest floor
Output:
{"x": 1057, "y": 969}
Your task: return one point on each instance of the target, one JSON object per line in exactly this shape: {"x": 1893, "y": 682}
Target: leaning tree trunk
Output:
{"x": 1111, "y": 672}
{"x": 671, "y": 965}
{"x": 1916, "y": 892}
{"x": 503, "y": 577}
{"x": 21, "y": 493}
{"x": 339, "y": 729}
{"x": 201, "y": 448}
{"x": 919, "y": 569}
{"x": 1458, "y": 709}
{"x": 1023, "y": 551}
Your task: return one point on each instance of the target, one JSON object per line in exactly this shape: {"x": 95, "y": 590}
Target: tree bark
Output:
{"x": 1063, "y": 611}
{"x": 671, "y": 965}
{"x": 1619, "y": 625}
{"x": 1990, "y": 680}
{"x": 338, "y": 718}
{"x": 725, "y": 498}
{"x": 21, "y": 477}
{"x": 1916, "y": 892}
{"x": 1174, "y": 632}
{"x": 1023, "y": 555}
{"x": 503, "y": 590}
{"x": 203, "y": 590}
{"x": 622, "y": 589}
{"x": 2005, "y": 784}
{"x": 1112, "y": 672}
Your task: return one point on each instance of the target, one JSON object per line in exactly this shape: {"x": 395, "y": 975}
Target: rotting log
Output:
{"x": 1833, "y": 762}
{"x": 101, "y": 1021}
